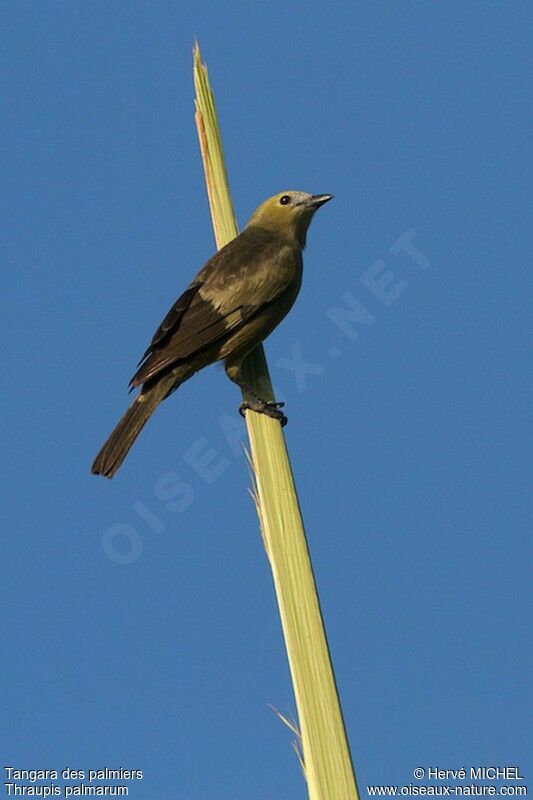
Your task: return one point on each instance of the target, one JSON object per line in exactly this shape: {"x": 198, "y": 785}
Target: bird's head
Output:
{"x": 289, "y": 213}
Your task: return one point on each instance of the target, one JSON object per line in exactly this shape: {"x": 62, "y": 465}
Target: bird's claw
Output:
{"x": 271, "y": 409}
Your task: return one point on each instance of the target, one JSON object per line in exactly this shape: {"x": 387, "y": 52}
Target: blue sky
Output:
{"x": 144, "y": 634}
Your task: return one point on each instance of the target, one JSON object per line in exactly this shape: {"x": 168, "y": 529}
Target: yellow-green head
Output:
{"x": 289, "y": 213}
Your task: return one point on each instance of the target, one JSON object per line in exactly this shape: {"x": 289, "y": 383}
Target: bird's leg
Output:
{"x": 270, "y": 408}
{"x": 253, "y": 401}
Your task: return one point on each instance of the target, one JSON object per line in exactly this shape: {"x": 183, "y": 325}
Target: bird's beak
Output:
{"x": 317, "y": 200}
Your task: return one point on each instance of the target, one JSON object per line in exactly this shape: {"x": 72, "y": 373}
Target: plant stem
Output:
{"x": 324, "y": 745}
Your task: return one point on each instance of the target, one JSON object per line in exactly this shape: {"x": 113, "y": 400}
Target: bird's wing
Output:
{"x": 172, "y": 319}
{"x": 232, "y": 287}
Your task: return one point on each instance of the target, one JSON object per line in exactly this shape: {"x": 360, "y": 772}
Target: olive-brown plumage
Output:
{"x": 234, "y": 302}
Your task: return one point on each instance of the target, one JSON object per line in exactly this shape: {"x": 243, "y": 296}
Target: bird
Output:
{"x": 234, "y": 302}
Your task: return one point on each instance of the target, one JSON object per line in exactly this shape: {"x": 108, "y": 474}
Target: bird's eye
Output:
{"x": 285, "y": 200}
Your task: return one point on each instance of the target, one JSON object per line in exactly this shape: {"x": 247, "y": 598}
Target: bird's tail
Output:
{"x": 119, "y": 443}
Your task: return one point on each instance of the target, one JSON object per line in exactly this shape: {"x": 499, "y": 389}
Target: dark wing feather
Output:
{"x": 200, "y": 326}
{"x": 171, "y": 321}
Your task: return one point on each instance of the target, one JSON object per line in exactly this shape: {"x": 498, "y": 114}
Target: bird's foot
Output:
{"x": 271, "y": 409}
